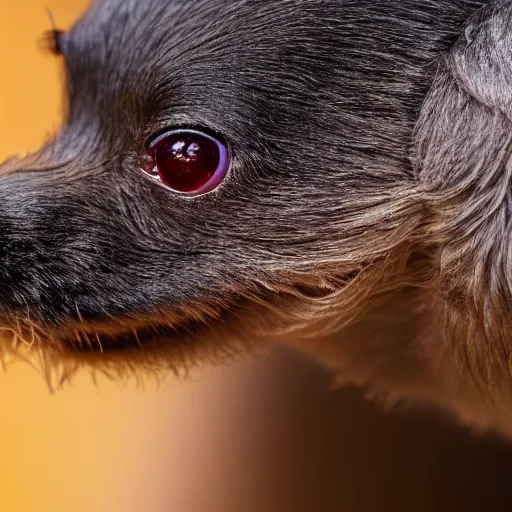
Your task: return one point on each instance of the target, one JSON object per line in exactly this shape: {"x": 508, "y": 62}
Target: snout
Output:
{"x": 45, "y": 260}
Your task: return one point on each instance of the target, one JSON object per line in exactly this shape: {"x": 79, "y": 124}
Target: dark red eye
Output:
{"x": 189, "y": 161}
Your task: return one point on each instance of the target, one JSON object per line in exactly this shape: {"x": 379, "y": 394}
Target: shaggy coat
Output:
{"x": 366, "y": 217}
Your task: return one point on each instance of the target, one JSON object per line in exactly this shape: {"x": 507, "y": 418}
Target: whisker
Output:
{"x": 80, "y": 342}
{"x": 137, "y": 338}
{"x": 98, "y": 339}
{"x": 89, "y": 343}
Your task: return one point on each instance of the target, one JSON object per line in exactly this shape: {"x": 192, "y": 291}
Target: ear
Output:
{"x": 463, "y": 156}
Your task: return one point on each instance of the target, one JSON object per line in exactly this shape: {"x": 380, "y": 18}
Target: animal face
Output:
{"x": 307, "y": 208}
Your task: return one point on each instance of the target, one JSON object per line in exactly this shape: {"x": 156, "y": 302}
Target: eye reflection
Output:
{"x": 189, "y": 161}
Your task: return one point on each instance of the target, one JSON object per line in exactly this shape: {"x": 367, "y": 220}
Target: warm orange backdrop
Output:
{"x": 29, "y": 92}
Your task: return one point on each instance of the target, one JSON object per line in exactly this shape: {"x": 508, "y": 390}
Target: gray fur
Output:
{"x": 366, "y": 217}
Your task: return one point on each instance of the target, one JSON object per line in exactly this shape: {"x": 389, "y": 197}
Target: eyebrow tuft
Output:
{"x": 51, "y": 41}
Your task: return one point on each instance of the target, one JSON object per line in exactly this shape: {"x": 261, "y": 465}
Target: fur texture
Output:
{"x": 366, "y": 217}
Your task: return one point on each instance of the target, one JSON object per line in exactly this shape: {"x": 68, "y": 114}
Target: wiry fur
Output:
{"x": 366, "y": 217}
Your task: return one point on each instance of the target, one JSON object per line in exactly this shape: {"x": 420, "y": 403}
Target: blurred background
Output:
{"x": 262, "y": 435}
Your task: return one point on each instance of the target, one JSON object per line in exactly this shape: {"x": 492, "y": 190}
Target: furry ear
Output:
{"x": 464, "y": 159}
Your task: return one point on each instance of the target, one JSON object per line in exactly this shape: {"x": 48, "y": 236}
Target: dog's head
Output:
{"x": 230, "y": 172}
